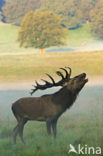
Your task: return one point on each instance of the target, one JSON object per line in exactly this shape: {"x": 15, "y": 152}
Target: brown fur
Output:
{"x": 47, "y": 108}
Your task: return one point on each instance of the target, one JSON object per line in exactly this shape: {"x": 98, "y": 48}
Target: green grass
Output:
{"x": 80, "y": 36}
{"x": 8, "y": 39}
{"x": 31, "y": 66}
{"x": 78, "y": 129}
{"x": 9, "y": 34}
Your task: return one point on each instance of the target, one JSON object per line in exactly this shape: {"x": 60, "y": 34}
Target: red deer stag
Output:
{"x": 48, "y": 108}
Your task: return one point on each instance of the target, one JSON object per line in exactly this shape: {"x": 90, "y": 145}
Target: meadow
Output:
{"x": 9, "y": 35}
{"x": 20, "y": 67}
{"x": 80, "y": 36}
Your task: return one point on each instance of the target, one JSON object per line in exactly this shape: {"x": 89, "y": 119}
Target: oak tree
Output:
{"x": 42, "y": 30}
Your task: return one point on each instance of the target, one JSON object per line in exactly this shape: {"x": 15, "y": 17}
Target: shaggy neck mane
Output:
{"x": 64, "y": 97}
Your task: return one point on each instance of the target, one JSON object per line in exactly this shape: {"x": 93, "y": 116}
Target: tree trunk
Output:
{"x": 87, "y": 21}
{"x": 42, "y": 51}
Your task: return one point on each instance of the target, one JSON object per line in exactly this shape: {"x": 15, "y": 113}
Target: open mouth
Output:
{"x": 84, "y": 78}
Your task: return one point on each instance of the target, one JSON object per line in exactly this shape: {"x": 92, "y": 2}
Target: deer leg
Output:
{"x": 21, "y": 127}
{"x": 48, "y": 125}
{"x": 15, "y": 132}
{"x": 16, "y": 129}
{"x": 54, "y": 123}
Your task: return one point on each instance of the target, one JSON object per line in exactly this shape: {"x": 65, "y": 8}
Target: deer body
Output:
{"x": 46, "y": 108}
{"x": 43, "y": 108}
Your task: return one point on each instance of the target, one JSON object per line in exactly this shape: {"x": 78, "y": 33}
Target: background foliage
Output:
{"x": 97, "y": 19}
{"x": 74, "y": 12}
{"x": 42, "y": 30}
{"x": 14, "y": 10}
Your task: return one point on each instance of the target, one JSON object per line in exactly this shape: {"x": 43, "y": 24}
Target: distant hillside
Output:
{"x": 74, "y": 12}
{"x": 14, "y": 10}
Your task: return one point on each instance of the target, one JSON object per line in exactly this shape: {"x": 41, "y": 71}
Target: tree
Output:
{"x": 84, "y": 8}
{"x": 66, "y": 8}
{"x": 97, "y": 20}
{"x": 42, "y": 30}
{"x": 15, "y": 10}
{"x": 74, "y": 12}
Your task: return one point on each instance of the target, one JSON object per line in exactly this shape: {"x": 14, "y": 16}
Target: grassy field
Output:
{"x": 71, "y": 130}
{"x": 9, "y": 34}
{"x": 80, "y": 36}
{"x": 82, "y": 124}
{"x": 8, "y": 39}
{"x": 29, "y": 67}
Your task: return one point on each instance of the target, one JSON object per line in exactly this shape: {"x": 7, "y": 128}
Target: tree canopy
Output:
{"x": 74, "y": 12}
{"x": 14, "y": 10}
{"x": 84, "y": 8}
{"x": 97, "y": 19}
{"x": 42, "y": 30}
{"x": 65, "y": 8}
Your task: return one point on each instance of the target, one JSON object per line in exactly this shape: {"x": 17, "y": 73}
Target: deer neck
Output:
{"x": 64, "y": 97}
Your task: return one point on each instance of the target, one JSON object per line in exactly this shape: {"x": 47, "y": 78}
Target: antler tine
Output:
{"x": 44, "y": 86}
{"x": 70, "y": 71}
{"x": 67, "y": 75}
{"x": 60, "y": 74}
{"x": 38, "y": 85}
{"x": 63, "y": 80}
{"x": 33, "y": 90}
{"x": 50, "y": 78}
{"x": 46, "y": 82}
{"x": 35, "y": 87}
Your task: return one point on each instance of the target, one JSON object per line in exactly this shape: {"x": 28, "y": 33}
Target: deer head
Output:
{"x": 76, "y": 84}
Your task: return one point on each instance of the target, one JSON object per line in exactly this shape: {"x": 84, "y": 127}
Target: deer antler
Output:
{"x": 53, "y": 83}
{"x": 70, "y": 71}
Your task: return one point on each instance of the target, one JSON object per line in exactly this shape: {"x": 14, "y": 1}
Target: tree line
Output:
{"x": 73, "y": 12}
